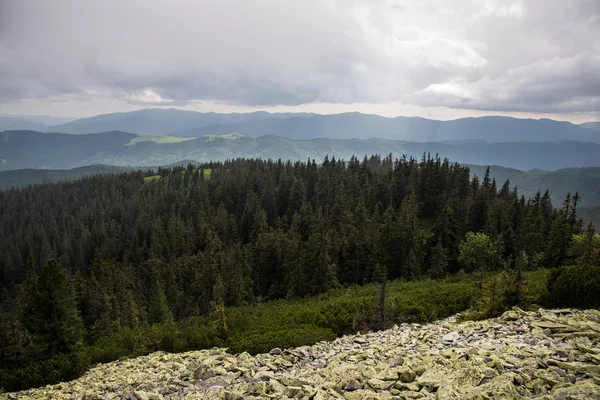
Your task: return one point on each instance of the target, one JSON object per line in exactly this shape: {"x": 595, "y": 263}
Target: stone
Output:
{"x": 203, "y": 372}
{"x": 549, "y": 325}
{"x": 432, "y": 377}
{"x": 293, "y": 391}
{"x": 379, "y": 384}
{"x": 407, "y": 375}
{"x": 579, "y": 390}
{"x": 551, "y": 354}
{"x": 451, "y": 337}
{"x": 353, "y": 385}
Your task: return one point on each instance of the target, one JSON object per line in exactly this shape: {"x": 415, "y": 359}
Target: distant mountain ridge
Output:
{"x": 585, "y": 181}
{"x": 159, "y": 121}
{"x": 191, "y": 124}
{"x": 364, "y": 126}
{"x": 591, "y": 125}
{"x": 29, "y": 149}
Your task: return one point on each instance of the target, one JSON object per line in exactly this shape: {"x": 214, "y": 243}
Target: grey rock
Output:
{"x": 353, "y": 385}
{"x": 555, "y": 354}
{"x": 451, "y": 337}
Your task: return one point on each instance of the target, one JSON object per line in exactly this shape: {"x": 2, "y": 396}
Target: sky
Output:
{"x": 441, "y": 59}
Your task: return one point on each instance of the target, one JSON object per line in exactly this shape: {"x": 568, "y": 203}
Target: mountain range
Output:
{"x": 30, "y": 149}
{"x": 191, "y": 124}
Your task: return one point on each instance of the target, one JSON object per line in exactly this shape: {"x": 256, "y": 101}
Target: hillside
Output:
{"x": 8, "y": 123}
{"x": 586, "y": 181}
{"x": 28, "y": 149}
{"x": 186, "y": 260}
{"x": 25, "y": 177}
{"x": 550, "y": 353}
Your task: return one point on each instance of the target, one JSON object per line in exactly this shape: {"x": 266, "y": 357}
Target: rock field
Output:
{"x": 548, "y": 354}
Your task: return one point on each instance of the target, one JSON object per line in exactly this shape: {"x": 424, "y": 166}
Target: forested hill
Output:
{"x": 585, "y": 181}
{"x": 27, "y": 149}
{"x": 267, "y": 229}
{"x": 26, "y": 177}
{"x": 135, "y": 250}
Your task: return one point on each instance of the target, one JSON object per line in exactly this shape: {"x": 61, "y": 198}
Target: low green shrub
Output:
{"x": 507, "y": 289}
{"x": 262, "y": 342}
{"x": 575, "y": 286}
{"x": 61, "y": 367}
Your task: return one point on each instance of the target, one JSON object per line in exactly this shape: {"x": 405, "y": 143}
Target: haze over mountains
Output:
{"x": 29, "y": 149}
{"x": 190, "y": 124}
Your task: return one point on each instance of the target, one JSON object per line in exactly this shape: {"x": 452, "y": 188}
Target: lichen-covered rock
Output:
{"x": 548, "y": 354}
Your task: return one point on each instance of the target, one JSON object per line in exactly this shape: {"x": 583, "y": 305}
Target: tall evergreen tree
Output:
{"x": 158, "y": 308}
{"x": 50, "y": 313}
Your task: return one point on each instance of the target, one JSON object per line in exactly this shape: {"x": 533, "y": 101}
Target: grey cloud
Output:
{"x": 509, "y": 55}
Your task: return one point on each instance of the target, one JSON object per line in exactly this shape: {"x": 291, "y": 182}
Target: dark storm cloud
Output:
{"x": 535, "y": 55}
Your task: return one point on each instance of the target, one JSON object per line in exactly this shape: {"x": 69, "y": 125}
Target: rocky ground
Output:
{"x": 549, "y": 354}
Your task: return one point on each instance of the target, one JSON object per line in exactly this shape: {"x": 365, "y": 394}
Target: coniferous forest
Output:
{"x": 87, "y": 265}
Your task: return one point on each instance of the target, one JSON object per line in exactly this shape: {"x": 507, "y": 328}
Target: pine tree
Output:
{"x": 438, "y": 263}
{"x": 158, "y": 308}
{"x": 50, "y": 313}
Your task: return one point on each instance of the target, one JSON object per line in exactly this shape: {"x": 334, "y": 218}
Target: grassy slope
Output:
{"x": 157, "y": 139}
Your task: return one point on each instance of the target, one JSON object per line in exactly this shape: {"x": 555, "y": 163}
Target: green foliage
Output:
{"x": 578, "y": 285}
{"x": 427, "y": 300}
{"x": 575, "y": 286}
{"x": 158, "y": 309}
{"x": 60, "y": 367}
{"x": 255, "y": 342}
{"x": 478, "y": 252}
{"x": 187, "y": 262}
{"x": 281, "y": 323}
{"x": 507, "y": 289}
{"x": 438, "y": 263}
{"x": 585, "y": 247}
{"x": 50, "y": 313}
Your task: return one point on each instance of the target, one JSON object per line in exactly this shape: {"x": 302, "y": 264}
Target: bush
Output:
{"x": 262, "y": 342}
{"x": 428, "y": 300}
{"x": 61, "y": 367}
{"x": 507, "y": 289}
{"x": 575, "y": 286}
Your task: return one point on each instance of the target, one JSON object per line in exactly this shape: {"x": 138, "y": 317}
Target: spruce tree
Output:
{"x": 50, "y": 314}
{"x": 158, "y": 308}
{"x": 438, "y": 263}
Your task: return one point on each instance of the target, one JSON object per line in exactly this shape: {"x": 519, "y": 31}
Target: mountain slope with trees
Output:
{"x": 187, "y": 244}
{"x": 26, "y": 177}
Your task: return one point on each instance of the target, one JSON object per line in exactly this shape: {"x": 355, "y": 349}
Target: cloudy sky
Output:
{"x": 433, "y": 58}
